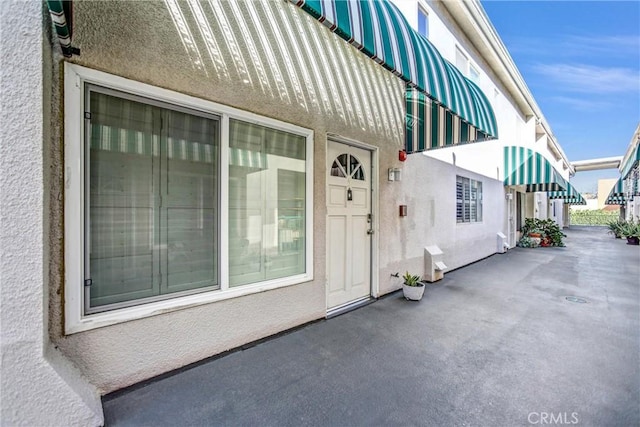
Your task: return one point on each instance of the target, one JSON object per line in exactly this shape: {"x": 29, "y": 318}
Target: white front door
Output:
{"x": 348, "y": 224}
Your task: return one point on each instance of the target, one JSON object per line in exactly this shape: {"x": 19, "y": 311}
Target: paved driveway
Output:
{"x": 494, "y": 344}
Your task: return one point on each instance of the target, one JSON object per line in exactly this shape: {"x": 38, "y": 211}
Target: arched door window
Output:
{"x": 347, "y": 166}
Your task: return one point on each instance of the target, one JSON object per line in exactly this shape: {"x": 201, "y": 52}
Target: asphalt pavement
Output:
{"x": 544, "y": 336}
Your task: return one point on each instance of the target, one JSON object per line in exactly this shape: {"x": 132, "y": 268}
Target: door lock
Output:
{"x": 370, "y": 231}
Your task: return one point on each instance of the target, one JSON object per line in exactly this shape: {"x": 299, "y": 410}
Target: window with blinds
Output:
{"x": 151, "y": 202}
{"x": 468, "y": 200}
{"x": 173, "y": 201}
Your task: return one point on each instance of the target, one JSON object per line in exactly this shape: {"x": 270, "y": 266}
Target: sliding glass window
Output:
{"x": 267, "y": 203}
{"x": 151, "y": 200}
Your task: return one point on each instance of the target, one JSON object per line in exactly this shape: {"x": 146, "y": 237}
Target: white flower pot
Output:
{"x": 413, "y": 293}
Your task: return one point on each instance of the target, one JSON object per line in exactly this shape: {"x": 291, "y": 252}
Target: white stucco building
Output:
{"x": 626, "y": 191}
{"x": 183, "y": 178}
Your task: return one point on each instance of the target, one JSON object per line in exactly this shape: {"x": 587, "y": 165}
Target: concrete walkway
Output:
{"x": 494, "y": 344}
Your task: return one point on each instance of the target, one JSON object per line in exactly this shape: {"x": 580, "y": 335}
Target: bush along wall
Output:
{"x": 541, "y": 232}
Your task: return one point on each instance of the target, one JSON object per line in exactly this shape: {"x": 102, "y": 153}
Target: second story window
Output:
{"x": 474, "y": 74}
{"x": 423, "y": 22}
{"x": 462, "y": 62}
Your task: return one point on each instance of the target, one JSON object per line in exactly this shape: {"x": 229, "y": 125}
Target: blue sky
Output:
{"x": 581, "y": 61}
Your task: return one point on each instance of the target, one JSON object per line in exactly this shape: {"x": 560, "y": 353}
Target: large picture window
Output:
{"x": 468, "y": 200}
{"x": 152, "y": 222}
{"x": 173, "y": 201}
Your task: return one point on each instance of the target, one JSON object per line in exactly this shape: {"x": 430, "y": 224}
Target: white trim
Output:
{"x": 223, "y": 204}
{"x": 75, "y": 77}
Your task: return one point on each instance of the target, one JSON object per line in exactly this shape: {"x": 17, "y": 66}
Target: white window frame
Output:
{"x": 461, "y": 56}
{"x": 75, "y": 77}
{"x": 474, "y": 73}
{"x": 478, "y": 201}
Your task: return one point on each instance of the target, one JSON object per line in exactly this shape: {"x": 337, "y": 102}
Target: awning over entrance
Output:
{"x": 524, "y": 166}
{"x": 570, "y": 195}
{"x": 439, "y": 98}
{"x": 430, "y": 125}
{"x": 60, "y": 12}
{"x": 616, "y": 195}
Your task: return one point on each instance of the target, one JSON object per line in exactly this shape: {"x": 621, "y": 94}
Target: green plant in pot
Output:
{"x": 615, "y": 227}
{"x": 412, "y": 288}
{"x": 541, "y": 232}
{"x": 631, "y": 231}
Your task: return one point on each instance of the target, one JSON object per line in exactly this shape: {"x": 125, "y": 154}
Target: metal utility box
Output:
{"x": 502, "y": 244}
{"x": 434, "y": 265}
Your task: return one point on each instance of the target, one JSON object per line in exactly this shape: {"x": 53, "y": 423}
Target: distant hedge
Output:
{"x": 593, "y": 217}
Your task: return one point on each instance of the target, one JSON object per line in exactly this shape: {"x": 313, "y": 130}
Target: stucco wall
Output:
{"x": 431, "y": 218}
{"x": 332, "y": 89}
{"x": 38, "y": 386}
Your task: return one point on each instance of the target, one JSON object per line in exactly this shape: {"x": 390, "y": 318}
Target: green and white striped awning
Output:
{"x": 570, "y": 195}
{"x": 616, "y": 195}
{"x": 524, "y": 166}
{"x": 60, "y": 11}
{"x": 435, "y": 88}
{"x": 430, "y": 125}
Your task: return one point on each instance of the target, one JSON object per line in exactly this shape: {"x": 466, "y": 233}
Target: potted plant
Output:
{"x": 412, "y": 288}
{"x": 535, "y": 233}
{"x": 631, "y": 231}
{"x": 615, "y": 227}
{"x": 539, "y": 232}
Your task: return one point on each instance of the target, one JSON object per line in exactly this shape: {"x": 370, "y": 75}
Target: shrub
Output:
{"x": 616, "y": 227}
{"x": 547, "y": 228}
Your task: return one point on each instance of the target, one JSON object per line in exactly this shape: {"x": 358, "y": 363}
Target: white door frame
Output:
{"x": 375, "y": 210}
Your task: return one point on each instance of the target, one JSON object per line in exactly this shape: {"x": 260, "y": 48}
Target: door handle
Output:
{"x": 370, "y": 231}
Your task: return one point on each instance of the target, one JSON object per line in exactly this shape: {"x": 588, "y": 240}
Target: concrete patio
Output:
{"x": 495, "y": 343}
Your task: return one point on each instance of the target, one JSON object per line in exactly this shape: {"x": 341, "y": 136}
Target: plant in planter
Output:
{"x": 526, "y": 242}
{"x": 412, "y": 288}
{"x": 615, "y": 227}
{"x": 535, "y": 233}
{"x": 539, "y": 232}
{"x": 551, "y": 231}
{"x": 631, "y": 231}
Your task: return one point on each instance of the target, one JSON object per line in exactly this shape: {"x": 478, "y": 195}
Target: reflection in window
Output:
{"x": 339, "y": 167}
{"x": 152, "y": 204}
{"x": 266, "y": 204}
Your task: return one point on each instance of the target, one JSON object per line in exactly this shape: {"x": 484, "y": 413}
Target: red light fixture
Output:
{"x": 402, "y": 155}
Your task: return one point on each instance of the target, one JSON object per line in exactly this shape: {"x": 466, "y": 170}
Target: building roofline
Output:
{"x": 474, "y": 22}
{"x": 631, "y": 148}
